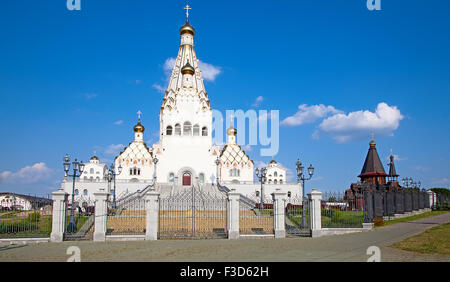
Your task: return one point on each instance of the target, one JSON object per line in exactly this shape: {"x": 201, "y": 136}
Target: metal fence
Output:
{"x": 297, "y": 217}
{"x": 79, "y": 223}
{"x": 193, "y": 214}
{"x": 338, "y": 212}
{"x": 34, "y": 222}
{"x": 257, "y": 219}
{"x": 128, "y": 218}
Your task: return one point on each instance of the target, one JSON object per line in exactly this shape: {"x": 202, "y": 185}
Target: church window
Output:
{"x": 177, "y": 129}
{"x": 76, "y": 192}
{"x": 187, "y": 128}
{"x": 91, "y": 170}
{"x": 196, "y": 130}
{"x": 275, "y": 181}
{"x": 275, "y": 174}
{"x": 201, "y": 178}
{"x": 231, "y": 172}
{"x": 169, "y": 130}
{"x": 131, "y": 171}
{"x": 289, "y": 194}
{"x": 171, "y": 177}
{"x": 85, "y": 192}
{"x": 281, "y": 181}
{"x": 139, "y": 171}
{"x": 257, "y": 193}
{"x": 270, "y": 181}
{"x": 204, "y": 131}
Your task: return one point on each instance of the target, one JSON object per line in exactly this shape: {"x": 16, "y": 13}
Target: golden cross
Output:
{"x": 187, "y": 8}
{"x": 373, "y": 135}
{"x": 139, "y": 114}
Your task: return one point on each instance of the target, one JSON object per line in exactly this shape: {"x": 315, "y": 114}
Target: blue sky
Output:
{"x": 72, "y": 81}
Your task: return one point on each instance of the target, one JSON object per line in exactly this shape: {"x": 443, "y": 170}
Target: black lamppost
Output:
{"x": 112, "y": 176}
{"x": 217, "y": 170}
{"x": 301, "y": 177}
{"x": 77, "y": 167}
{"x": 407, "y": 182}
{"x": 261, "y": 174}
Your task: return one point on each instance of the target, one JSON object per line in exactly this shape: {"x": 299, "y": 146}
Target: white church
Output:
{"x": 185, "y": 155}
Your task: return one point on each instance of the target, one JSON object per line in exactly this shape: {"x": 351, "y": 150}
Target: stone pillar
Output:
{"x": 233, "y": 214}
{"x": 315, "y": 198}
{"x": 278, "y": 213}
{"x": 430, "y": 199}
{"x": 101, "y": 215}
{"x": 152, "y": 208}
{"x": 60, "y": 199}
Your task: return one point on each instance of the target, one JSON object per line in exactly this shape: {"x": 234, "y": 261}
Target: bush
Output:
{"x": 442, "y": 207}
{"x": 34, "y": 217}
{"x": 378, "y": 221}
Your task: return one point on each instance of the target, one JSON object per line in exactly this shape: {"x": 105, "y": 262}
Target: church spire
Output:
{"x": 392, "y": 172}
{"x": 231, "y": 132}
{"x": 373, "y": 171}
{"x": 139, "y": 129}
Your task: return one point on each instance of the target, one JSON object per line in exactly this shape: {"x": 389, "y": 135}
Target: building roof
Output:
{"x": 32, "y": 199}
{"x": 372, "y": 165}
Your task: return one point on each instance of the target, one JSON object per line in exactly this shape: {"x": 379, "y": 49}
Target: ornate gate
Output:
{"x": 297, "y": 220}
{"x": 193, "y": 213}
{"x": 79, "y": 223}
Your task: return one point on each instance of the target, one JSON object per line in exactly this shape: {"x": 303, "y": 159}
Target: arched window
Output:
{"x": 270, "y": 181}
{"x": 201, "y": 178}
{"x": 231, "y": 172}
{"x": 177, "y": 129}
{"x": 275, "y": 181}
{"x": 91, "y": 171}
{"x": 85, "y": 192}
{"x": 257, "y": 193}
{"x": 289, "y": 194}
{"x": 131, "y": 171}
{"x": 275, "y": 174}
{"x": 196, "y": 130}
{"x": 76, "y": 192}
{"x": 169, "y": 130}
{"x": 281, "y": 181}
{"x": 204, "y": 131}
{"x": 187, "y": 128}
{"x": 171, "y": 177}
{"x": 238, "y": 172}
{"x": 139, "y": 171}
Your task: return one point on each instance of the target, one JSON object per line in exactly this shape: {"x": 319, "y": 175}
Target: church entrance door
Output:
{"x": 186, "y": 179}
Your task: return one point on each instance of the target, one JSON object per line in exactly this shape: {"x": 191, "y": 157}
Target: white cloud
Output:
{"x": 422, "y": 168}
{"x": 258, "y": 101}
{"x": 159, "y": 87}
{"x": 29, "y": 174}
{"x": 357, "y": 125}
{"x": 396, "y": 158}
{"x": 309, "y": 114}
{"x": 442, "y": 181}
{"x": 90, "y": 96}
{"x": 119, "y": 122}
{"x": 247, "y": 147}
{"x": 113, "y": 149}
{"x": 209, "y": 72}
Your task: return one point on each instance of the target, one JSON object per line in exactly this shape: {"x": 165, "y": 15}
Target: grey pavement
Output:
{"x": 345, "y": 248}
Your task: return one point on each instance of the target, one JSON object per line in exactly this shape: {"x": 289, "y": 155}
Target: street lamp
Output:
{"x": 155, "y": 161}
{"x": 301, "y": 177}
{"x": 77, "y": 167}
{"x": 261, "y": 174}
{"x": 217, "y": 170}
{"x": 112, "y": 176}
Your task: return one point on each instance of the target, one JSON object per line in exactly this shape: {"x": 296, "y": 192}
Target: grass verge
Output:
{"x": 432, "y": 241}
{"x": 414, "y": 217}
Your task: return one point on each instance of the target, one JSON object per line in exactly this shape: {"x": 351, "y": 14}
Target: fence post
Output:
{"x": 315, "y": 198}
{"x": 233, "y": 214}
{"x": 152, "y": 208}
{"x": 60, "y": 198}
{"x": 430, "y": 199}
{"x": 101, "y": 213}
{"x": 278, "y": 213}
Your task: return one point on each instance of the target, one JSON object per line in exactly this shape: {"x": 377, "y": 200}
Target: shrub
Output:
{"x": 378, "y": 221}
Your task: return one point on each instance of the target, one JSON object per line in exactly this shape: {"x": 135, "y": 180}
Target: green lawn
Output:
{"x": 345, "y": 219}
{"x": 433, "y": 241}
{"x": 23, "y": 227}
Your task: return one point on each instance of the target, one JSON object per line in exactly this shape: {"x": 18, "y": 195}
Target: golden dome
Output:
{"x": 94, "y": 158}
{"x": 231, "y": 131}
{"x": 372, "y": 143}
{"x": 272, "y": 162}
{"x": 187, "y": 28}
{"x": 188, "y": 69}
{"x": 139, "y": 127}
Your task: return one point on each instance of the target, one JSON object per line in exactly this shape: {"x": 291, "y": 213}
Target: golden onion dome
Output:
{"x": 272, "y": 162}
{"x": 187, "y": 28}
{"x": 231, "y": 131}
{"x": 139, "y": 127}
{"x": 188, "y": 69}
{"x": 372, "y": 143}
{"x": 94, "y": 158}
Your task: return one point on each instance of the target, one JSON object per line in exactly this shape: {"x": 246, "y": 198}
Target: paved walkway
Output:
{"x": 350, "y": 247}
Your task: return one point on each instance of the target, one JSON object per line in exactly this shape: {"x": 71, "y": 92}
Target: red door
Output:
{"x": 186, "y": 179}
